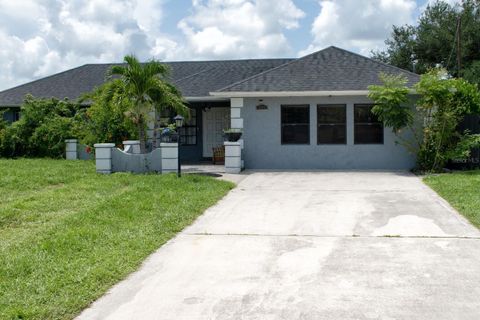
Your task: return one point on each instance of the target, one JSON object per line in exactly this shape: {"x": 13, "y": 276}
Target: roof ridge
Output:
{"x": 376, "y": 61}
{"x": 120, "y": 63}
{"x": 272, "y": 69}
{"x": 192, "y": 75}
{"x": 309, "y": 55}
{"x": 228, "y": 60}
{"x": 195, "y": 61}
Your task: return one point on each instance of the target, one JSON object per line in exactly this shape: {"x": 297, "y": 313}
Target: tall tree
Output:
{"x": 400, "y": 49}
{"x": 434, "y": 40}
{"x": 147, "y": 89}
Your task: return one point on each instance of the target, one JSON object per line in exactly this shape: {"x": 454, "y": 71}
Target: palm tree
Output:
{"x": 147, "y": 89}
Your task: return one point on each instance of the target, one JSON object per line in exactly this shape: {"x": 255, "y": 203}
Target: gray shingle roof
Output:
{"x": 331, "y": 69}
{"x": 193, "y": 78}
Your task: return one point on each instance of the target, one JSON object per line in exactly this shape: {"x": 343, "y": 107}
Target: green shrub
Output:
{"x": 42, "y": 129}
{"x": 443, "y": 103}
{"x": 46, "y": 123}
{"x": 48, "y": 140}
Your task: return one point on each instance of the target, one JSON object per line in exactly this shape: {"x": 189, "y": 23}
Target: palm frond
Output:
{"x": 116, "y": 70}
{"x": 146, "y": 86}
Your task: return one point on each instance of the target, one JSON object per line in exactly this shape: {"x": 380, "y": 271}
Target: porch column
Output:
{"x": 236, "y": 122}
{"x": 233, "y": 157}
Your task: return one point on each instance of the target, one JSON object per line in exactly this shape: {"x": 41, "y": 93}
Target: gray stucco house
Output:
{"x": 305, "y": 113}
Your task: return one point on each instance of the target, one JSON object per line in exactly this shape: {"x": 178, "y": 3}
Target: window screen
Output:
{"x": 295, "y": 124}
{"x": 188, "y": 133}
{"x": 331, "y": 124}
{"x": 368, "y": 129}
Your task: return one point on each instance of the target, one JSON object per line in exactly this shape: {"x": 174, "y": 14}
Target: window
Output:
{"x": 16, "y": 115}
{"x": 188, "y": 132}
{"x": 296, "y": 124}
{"x": 331, "y": 124}
{"x": 368, "y": 129}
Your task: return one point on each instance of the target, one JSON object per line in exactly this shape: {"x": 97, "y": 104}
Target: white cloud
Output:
{"x": 359, "y": 25}
{"x": 451, "y": 2}
{"x": 431, "y": 2}
{"x": 43, "y": 37}
{"x": 239, "y": 28}
{"x": 39, "y": 38}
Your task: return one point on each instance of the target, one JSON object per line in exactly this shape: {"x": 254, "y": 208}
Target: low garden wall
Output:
{"x": 109, "y": 158}
{"x": 138, "y": 163}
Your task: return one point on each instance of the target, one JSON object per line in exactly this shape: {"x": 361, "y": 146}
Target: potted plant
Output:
{"x": 169, "y": 133}
{"x": 232, "y": 135}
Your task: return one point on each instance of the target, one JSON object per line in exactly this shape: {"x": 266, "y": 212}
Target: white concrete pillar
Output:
{"x": 236, "y": 120}
{"x": 71, "y": 149}
{"x": 131, "y": 146}
{"x": 169, "y": 157}
{"x": 103, "y": 157}
{"x": 233, "y": 157}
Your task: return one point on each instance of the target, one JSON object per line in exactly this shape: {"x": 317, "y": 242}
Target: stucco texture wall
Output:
{"x": 263, "y": 148}
{"x": 138, "y": 163}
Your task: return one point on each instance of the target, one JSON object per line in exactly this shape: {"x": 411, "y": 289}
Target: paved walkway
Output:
{"x": 311, "y": 245}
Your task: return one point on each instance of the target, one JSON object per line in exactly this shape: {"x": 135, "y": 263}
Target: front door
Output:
{"x": 215, "y": 120}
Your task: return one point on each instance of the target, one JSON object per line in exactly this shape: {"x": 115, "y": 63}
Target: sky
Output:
{"x": 42, "y": 37}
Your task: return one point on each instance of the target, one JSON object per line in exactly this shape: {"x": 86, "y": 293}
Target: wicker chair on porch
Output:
{"x": 218, "y": 155}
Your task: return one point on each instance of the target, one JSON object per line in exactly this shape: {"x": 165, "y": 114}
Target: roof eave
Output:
{"x": 329, "y": 93}
{"x": 206, "y": 98}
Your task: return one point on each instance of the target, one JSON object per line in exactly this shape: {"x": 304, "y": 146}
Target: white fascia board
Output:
{"x": 207, "y": 98}
{"x": 248, "y": 94}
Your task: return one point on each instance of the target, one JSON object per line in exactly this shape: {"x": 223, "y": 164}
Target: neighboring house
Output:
{"x": 305, "y": 113}
{"x": 10, "y": 114}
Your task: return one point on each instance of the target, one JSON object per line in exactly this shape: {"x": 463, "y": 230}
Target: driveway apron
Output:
{"x": 311, "y": 245}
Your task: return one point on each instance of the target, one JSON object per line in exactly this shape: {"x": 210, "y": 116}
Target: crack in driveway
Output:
{"x": 330, "y": 236}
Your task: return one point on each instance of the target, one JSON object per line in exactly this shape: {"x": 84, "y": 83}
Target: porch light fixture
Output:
{"x": 179, "y": 123}
{"x": 261, "y": 105}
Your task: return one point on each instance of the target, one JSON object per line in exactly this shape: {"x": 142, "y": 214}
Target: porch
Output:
{"x": 203, "y": 131}
{"x": 199, "y": 136}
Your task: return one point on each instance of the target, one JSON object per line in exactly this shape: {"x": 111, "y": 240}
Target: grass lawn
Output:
{"x": 68, "y": 234}
{"x": 461, "y": 190}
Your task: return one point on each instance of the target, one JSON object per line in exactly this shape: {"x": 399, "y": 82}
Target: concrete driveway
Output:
{"x": 311, "y": 245}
